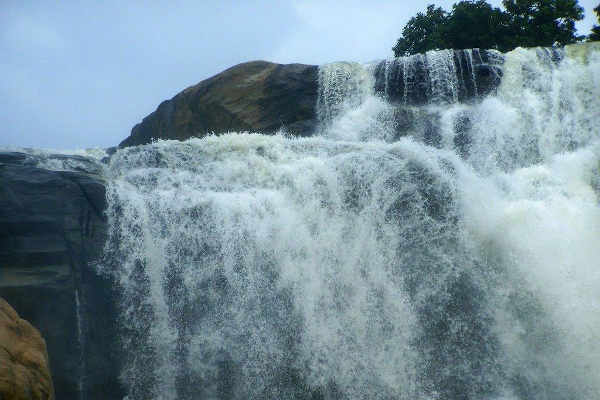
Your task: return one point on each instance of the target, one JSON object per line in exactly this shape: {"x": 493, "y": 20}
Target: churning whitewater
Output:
{"x": 438, "y": 239}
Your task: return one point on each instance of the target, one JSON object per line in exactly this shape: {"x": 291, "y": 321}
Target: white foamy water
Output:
{"x": 82, "y": 160}
{"x": 439, "y": 251}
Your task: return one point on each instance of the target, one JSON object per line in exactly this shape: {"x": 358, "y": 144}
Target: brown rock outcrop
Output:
{"x": 256, "y": 96}
{"x": 24, "y": 371}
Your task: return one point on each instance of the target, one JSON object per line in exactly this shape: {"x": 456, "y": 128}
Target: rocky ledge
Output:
{"x": 265, "y": 97}
{"x": 253, "y": 96}
{"x": 52, "y": 230}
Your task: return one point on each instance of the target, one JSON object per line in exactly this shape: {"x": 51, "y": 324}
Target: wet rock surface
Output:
{"x": 52, "y": 230}
{"x": 439, "y": 77}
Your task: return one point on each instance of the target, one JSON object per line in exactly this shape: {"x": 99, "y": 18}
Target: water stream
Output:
{"x": 432, "y": 244}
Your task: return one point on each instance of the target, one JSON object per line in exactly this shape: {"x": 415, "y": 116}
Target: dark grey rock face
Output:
{"x": 439, "y": 77}
{"x": 52, "y": 229}
{"x": 254, "y": 96}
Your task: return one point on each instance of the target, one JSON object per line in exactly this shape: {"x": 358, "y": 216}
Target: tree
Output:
{"x": 423, "y": 32}
{"x": 472, "y": 23}
{"x": 542, "y": 22}
{"x": 595, "y": 35}
{"x": 475, "y": 23}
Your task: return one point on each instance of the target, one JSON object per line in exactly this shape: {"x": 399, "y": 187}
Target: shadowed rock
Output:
{"x": 447, "y": 76}
{"x": 52, "y": 229}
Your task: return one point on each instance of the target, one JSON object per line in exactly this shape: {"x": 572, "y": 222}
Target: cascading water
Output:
{"x": 81, "y": 344}
{"x": 430, "y": 249}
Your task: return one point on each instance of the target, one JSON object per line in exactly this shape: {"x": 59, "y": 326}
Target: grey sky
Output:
{"x": 80, "y": 74}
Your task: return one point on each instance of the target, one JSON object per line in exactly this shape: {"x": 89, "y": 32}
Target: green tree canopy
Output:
{"x": 542, "y": 22}
{"x": 475, "y": 23}
{"x": 423, "y": 32}
{"x": 595, "y": 35}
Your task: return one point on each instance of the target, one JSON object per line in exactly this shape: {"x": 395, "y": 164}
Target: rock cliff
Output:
{"x": 52, "y": 229}
{"x": 263, "y": 97}
{"x": 253, "y": 96}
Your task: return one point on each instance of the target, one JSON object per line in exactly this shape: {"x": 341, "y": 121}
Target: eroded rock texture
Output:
{"x": 24, "y": 366}
{"x": 253, "y": 96}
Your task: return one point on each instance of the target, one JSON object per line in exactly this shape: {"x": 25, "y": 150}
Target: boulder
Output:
{"x": 52, "y": 231}
{"x": 24, "y": 367}
{"x": 256, "y": 96}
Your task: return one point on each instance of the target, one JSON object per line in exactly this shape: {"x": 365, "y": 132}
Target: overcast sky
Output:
{"x": 79, "y": 74}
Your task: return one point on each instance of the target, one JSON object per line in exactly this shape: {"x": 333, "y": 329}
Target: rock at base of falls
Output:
{"x": 24, "y": 366}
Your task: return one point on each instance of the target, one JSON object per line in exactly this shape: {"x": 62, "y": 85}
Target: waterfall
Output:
{"x": 81, "y": 344}
{"x": 445, "y": 76}
{"x": 439, "y": 239}
{"x": 342, "y": 86}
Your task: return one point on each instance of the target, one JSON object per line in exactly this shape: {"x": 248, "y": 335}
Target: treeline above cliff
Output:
{"x": 476, "y": 24}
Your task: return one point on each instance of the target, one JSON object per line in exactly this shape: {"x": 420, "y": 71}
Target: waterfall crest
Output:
{"x": 437, "y": 240}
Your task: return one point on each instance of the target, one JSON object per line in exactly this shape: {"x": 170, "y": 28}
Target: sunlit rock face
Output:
{"x": 24, "y": 367}
{"x": 257, "y": 96}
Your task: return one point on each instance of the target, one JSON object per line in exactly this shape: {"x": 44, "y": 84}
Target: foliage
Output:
{"x": 423, "y": 32}
{"x": 542, "y": 22}
{"x": 475, "y": 23}
{"x": 595, "y": 35}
